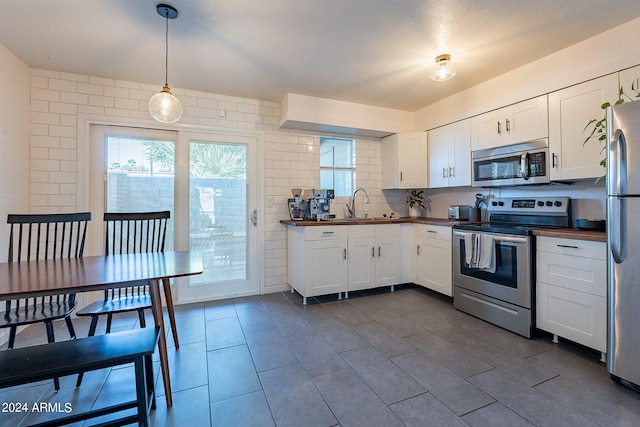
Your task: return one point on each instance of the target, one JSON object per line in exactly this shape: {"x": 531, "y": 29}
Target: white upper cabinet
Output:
{"x": 450, "y": 155}
{"x": 630, "y": 82}
{"x": 516, "y": 123}
{"x": 570, "y": 110}
{"x": 404, "y": 161}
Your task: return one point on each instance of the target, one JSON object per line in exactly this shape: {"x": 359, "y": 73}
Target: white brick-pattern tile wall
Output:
{"x": 290, "y": 157}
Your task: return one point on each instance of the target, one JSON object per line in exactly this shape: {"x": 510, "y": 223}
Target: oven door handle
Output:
{"x": 500, "y": 238}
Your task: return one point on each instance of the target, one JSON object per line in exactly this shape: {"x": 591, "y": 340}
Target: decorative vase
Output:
{"x": 414, "y": 212}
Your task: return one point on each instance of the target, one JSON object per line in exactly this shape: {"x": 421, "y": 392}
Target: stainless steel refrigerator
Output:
{"x": 623, "y": 243}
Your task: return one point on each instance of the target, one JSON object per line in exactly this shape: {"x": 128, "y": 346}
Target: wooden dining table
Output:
{"x": 94, "y": 273}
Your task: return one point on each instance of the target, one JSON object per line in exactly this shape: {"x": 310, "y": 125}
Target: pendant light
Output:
{"x": 163, "y": 106}
{"x": 445, "y": 69}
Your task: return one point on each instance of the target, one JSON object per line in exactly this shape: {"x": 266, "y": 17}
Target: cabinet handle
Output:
{"x": 373, "y": 252}
{"x": 499, "y": 128}
{"x": 508, "y": 126}
{"x": 400, "y": 175}
{"x": 417, "y": 249}
{"x": 345, "y": 254}
{"x": 444, "y": 172}
{"x": 379, "y": 252}
{"x": 451, "y": 175}
{"x": 568, "y": 246}
{"x": 554, "y": 160}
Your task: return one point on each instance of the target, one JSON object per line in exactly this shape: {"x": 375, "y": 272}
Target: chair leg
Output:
{"x": 12, "y": 337}
{"x": 109, "y": 318}
{"x": 143, "y": 322}
{"x": 50, "y": 339}
{"x": 93, "y": 326}
{"x": 72, "y": 331}
{"x": 172, "y": 318}
{"x": 92, "y": 332}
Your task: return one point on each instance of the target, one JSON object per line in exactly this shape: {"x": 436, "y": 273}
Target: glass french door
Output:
{"x": 221, "y": 196}
{"x": 209, "y": 183}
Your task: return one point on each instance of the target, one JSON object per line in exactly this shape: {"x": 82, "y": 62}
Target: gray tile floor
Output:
{"x": 376, "y": 359}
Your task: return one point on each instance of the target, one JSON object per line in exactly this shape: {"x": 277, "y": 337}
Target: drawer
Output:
{"x": 579, "y": 248}
{"x": 578, "y": 273}
{"x": 361, "y": 231}
{"x": 433, "y": 231}
{"x": 325, "y": 232}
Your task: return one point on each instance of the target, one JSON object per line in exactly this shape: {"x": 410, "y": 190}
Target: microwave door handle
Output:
{"x": 524, "y": 165}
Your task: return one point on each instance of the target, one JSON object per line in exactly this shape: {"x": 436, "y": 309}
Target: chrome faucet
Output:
{"x": 351, "y": 207}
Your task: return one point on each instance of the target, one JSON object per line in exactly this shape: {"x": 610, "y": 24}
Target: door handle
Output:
{"x": 254, "y": 217}
{"x": 524, "y": 166}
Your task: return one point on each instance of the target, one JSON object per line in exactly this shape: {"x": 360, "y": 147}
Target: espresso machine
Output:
{"x": 298, "y": 207}
{"x": 320, "y": 204}
{"x": 315, "y": 206}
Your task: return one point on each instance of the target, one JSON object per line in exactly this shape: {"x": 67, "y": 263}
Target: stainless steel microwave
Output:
{"x": 518, "y": 164}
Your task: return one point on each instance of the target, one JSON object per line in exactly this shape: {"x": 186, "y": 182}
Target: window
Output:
{"x": 338, "y": 164}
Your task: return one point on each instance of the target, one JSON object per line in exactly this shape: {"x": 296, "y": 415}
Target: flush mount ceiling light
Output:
{"x": 163, "y": 106}
{"x": 445, "y": 69}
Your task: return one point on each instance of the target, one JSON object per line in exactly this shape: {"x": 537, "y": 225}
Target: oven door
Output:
{"x": 510, "y": 282}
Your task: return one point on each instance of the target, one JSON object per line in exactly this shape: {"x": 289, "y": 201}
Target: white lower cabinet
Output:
{"x": 432, "y": 258}
{"x": 335, "y": 259}
{"x": 377, "y": 255}
{"x": 317, "y": 260}
{"x": 571, "y": 284}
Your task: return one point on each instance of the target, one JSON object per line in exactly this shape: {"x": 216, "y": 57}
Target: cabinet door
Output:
{"x": 488, "y": 130}
{"x": 325, "y": 267}
{"x": 390, "y": 177}
{"x": 388, "y": 260}
{"x": 578, "y": 316}
{"x": 460, "y": 154}
{"x": 570, "y": 110}
{"x": 433, "y": 264}
{"x": 528, "y": 120}
{"x": 362, "y": 263}
{"x": 412, "y": 160}
{"x": 439, "y": 142}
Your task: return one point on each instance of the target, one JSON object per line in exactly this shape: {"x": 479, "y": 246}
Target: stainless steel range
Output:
{"x": 493, "y": 269}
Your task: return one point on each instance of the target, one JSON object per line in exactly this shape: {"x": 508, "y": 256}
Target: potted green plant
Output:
{"x": 597, "y": 128}
{"x": 415, "y": 200}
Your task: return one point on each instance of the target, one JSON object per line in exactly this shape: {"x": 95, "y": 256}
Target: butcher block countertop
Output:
{"x": 564, "y": 233}
{"x": 402, "y": 220}
{"x": 573, "y": 233}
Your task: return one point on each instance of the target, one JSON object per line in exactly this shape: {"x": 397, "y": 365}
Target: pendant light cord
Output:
{"x": 166, "y": 48}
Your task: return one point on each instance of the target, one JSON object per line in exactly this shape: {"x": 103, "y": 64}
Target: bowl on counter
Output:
{"x": 591, "y": 224}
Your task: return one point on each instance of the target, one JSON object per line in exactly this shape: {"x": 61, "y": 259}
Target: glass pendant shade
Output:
{"x": 164, "y": 107}
{"x": 445, "y": 69}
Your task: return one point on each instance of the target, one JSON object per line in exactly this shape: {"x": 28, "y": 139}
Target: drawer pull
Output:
{"x": 327, "y": 232}
{"x": 568, "y": 246}
{"x": 431, "y": 231}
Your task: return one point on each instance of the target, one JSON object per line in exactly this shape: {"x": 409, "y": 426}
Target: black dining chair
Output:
{"x": 131, "y": 232}
{"x": 41, "y": 237}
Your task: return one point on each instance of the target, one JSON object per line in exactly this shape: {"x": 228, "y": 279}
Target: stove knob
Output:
{"x": 549, "y": 203}
{"x": 494, "y": 203}
{"x": 558, "y": 203}
{"x": 540, "y": 203}
{"x": 500, "y": 203}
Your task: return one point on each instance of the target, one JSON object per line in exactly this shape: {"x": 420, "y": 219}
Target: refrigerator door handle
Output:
{"x": 617, "y": 219}
{"x": 616, "y": 158}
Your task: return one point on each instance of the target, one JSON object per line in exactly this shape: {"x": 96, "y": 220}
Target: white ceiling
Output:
{"x": 376, "y": 52}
